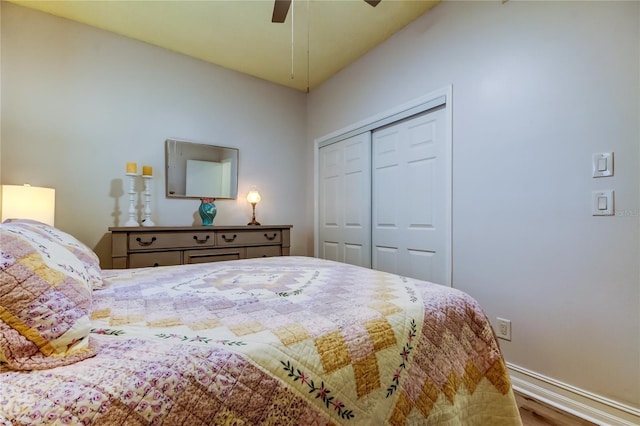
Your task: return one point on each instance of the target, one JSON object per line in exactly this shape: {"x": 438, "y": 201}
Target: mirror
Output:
{"x": 196, "y": 170}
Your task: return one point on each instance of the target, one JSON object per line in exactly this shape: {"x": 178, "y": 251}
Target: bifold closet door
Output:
{"x": 411, "y": 184}
{"x": 344, "y": 200}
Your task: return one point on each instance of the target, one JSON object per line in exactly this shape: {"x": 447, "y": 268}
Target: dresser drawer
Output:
{"x": 161, "y": 258}
{"x": 214, "y": 255}
{"x": 228, "y": 238}
{"x": 139, "y": 241}
{"x": 264, "y": 251}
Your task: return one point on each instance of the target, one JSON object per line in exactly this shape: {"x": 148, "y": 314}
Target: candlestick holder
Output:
{"x": 147, "y": 201}
{"x": 132, "y": 200}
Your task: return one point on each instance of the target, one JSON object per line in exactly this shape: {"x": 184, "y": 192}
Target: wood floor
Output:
{"x": 536, "y": 413}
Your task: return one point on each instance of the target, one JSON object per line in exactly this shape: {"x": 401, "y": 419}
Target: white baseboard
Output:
{"x": 568, "y": 398}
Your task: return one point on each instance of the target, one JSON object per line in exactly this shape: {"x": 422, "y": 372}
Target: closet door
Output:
{"x": 411, "y": 198}
{"x": 344, "y": 201}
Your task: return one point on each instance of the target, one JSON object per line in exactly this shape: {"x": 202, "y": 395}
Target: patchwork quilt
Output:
{"x": 274, "y": 341}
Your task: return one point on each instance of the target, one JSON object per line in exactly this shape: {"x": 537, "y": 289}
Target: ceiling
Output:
{"x": 327, "y": 35}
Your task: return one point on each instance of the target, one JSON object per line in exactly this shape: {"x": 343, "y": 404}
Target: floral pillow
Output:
{"x": 87, "y": 256}
{"x": 45, "y": 300}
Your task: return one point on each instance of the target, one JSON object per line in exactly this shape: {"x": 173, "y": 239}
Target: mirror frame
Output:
{"x": 216, "y": 153}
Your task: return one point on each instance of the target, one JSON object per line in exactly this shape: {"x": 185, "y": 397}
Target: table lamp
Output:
{"x": 28, "y": 202}
{"x": 253, "y": 197}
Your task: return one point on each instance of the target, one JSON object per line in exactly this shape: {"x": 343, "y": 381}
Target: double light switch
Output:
{"x": 602, "y": 202}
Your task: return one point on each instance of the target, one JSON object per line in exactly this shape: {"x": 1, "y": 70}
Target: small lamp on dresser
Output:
{"x": 253, "y": 197}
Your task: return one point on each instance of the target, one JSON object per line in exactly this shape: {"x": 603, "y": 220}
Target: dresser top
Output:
{"x": 193, "y": 228}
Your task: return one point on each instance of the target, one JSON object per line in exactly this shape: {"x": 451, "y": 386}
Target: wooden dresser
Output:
{"x": 137, "y": 247}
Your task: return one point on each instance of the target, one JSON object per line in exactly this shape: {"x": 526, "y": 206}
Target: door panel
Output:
{"x": 344, "y": 223}
{"x": 330, "y": 193}
{"x": 420, "y": 264}
{"x": 329, "y": 251}
{"x": 411, "y": 181}
{"x": 355, "y": 254}
{"x": 386, "y": 259}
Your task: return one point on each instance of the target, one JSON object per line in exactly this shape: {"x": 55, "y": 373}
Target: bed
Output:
{"x": 278, "y": 341}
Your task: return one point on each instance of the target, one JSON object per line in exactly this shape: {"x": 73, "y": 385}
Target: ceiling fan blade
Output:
{"x": 280, "y": 10}
{"x": 373, "y": 3}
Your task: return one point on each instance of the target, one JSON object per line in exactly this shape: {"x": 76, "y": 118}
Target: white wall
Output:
{"x": 78, "y": 103}
{"x": 537, "y": 88}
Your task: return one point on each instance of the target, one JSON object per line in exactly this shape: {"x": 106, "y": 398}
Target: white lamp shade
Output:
{"x": 28, "y": 202}
{"x": 253, "y": 196}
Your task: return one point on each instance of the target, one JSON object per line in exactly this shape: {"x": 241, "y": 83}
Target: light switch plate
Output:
{"x": 602, "y": 202}
{"x": 602, "y": 164}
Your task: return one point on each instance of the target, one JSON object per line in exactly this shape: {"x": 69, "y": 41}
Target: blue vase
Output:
{"x": 207, "y": 211}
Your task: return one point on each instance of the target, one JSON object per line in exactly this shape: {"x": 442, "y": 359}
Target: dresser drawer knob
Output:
{"x": 229, "y": 240}
{"x": 145, "y": 243}
{"x": 271, "y": 238}
{"x": 201, "y": 241}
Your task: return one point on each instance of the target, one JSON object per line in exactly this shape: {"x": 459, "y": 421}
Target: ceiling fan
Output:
{"x": 281, "y": 8}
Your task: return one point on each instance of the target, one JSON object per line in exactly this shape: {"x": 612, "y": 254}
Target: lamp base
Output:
{"x": 253, "y": 216}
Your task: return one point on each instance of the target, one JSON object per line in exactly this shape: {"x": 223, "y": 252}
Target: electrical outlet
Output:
{"x": 504, "y": 328}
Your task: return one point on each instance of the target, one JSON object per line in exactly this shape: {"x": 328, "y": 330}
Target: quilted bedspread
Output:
{"x": 281, "y": 341}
